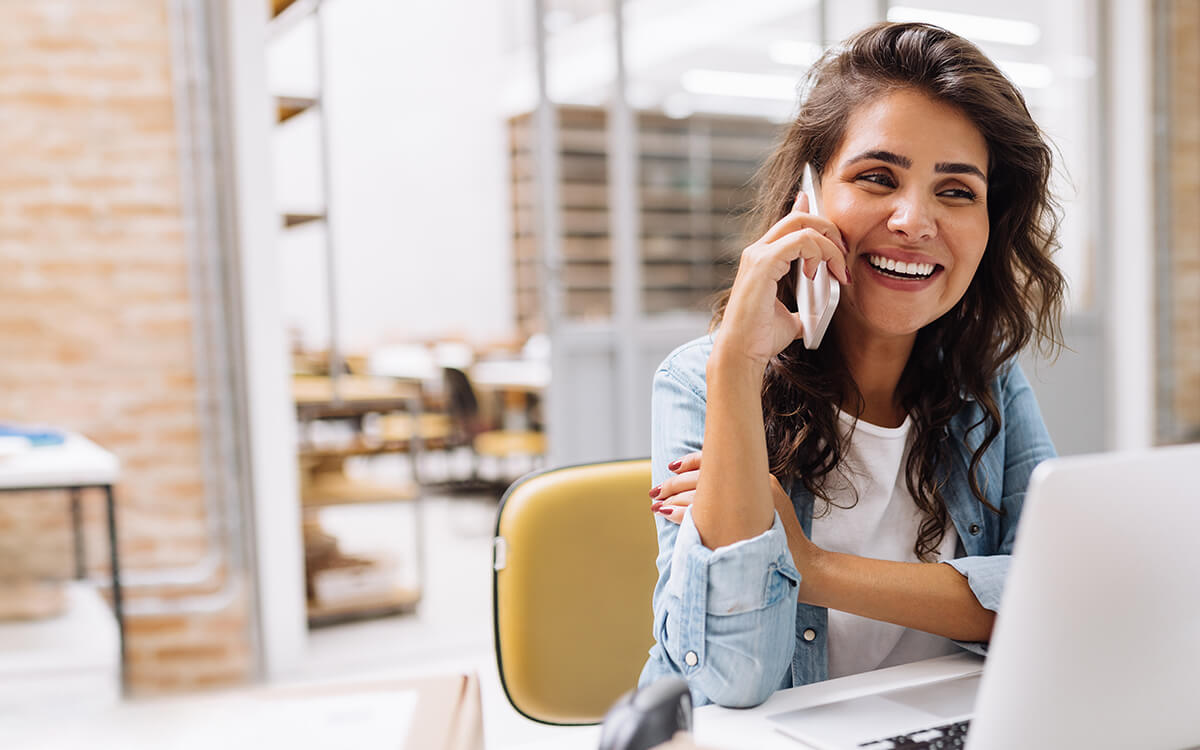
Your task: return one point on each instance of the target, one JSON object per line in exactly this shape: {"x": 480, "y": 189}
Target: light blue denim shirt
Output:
{"x": 727, "y": 620}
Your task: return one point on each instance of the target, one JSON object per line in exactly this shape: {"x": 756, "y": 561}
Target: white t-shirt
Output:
{"x": 882, "y": 525}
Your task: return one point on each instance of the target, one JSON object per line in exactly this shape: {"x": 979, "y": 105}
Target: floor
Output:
{"x": 452, "y": 629}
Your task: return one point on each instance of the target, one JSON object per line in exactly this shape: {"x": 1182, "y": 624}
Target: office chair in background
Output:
{"x": 499, "y": 446}
{"x": 573, "y": 576}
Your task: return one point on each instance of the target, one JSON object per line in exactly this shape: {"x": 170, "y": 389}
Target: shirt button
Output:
{"x": 691, "y": 658}
{"x": 974, "y": 529}
{"x": 810, "y": 634}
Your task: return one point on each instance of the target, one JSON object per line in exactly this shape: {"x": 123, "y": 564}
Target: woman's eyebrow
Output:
{"x": 956, "y": 167}
{"x": 891, "y": 157}
{"x": 881, "y": 155}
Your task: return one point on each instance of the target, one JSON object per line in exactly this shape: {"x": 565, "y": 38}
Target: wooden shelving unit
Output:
{"x": 364, "y": 586}
{"x": 399, "y": 600}
{"x": 695, "y": 182}
{"x": 287, "y": 107}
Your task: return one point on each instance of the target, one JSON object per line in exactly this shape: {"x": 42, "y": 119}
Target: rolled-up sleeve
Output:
{"x": 1026, "y": 443}
{"x": 724, "y": 619}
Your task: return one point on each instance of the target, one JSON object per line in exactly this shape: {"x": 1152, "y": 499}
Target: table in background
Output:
{"x": 517, "y": 385}
{"x": 74, "y": 465}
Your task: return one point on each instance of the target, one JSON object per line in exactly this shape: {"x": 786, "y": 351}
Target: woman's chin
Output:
{"x": 887, "y": 322}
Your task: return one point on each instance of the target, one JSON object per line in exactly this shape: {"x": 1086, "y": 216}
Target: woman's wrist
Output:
{"x": 813, "y": 564}
{"x": 726, "y": 359}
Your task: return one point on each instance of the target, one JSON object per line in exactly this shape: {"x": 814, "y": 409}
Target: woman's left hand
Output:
{"x": 674, "y": 495}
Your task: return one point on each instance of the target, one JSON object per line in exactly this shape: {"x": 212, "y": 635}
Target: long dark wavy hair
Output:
{"x": 1016, "y": 294}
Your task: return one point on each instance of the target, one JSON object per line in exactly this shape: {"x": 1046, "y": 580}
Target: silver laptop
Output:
{"x": 1097, "y": 643}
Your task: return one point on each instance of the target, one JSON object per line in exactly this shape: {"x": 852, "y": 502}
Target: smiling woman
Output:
{"x": 832, "y": 477}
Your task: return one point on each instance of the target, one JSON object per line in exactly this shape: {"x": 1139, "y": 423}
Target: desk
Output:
{"x": 719, "y": 728}
{"x": 75, "y": 465}
{"x": 432, "y": 713}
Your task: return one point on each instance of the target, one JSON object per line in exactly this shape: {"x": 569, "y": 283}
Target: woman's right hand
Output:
{"x": 756, "y": 324}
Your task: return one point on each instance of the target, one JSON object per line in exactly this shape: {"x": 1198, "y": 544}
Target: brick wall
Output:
{"x": 1184, "y": 242}
{"x": 95, "y": 315}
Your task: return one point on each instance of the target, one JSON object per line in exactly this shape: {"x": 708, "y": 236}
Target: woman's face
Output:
{"x": 908, "y": 189}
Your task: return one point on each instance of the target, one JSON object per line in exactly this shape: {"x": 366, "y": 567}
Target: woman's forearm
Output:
{"x": 931, "y": 597}
{"x": 733, "y": 497}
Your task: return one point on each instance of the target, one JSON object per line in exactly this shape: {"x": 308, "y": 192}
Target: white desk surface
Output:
{"x": 528, "y": 374}
{"x": 719, "y": 728}
{"x": 78, "y": 461}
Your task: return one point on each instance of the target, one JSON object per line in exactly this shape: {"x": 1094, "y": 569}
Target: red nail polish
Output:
{"x": 666, "y": 510}
{"x": 654, "y": 506}
{"x": 674, "y": 465}
{"x": 655, "y": 490}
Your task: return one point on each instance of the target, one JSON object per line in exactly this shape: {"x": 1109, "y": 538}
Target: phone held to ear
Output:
{"x": 816, "y": 298}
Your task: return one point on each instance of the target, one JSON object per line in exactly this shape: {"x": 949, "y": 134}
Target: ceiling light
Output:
{"x": 789, "y": 52}
{"x": 979, "y": 28}
{"x": 727, "y": 83}
{"x": 1027, "y": 75}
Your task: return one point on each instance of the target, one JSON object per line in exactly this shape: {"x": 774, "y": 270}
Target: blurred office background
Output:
{"x": 324, "y": 276}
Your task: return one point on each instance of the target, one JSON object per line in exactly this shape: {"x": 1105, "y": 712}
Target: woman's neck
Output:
{"x": 875, "y": 364}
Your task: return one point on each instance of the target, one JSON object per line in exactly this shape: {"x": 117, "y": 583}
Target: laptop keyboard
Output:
{"x": 936, "y": 738}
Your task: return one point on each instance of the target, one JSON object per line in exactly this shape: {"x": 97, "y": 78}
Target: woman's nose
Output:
{"x": 913, "y": 218}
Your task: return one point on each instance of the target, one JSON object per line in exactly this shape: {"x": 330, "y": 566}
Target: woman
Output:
{"x": 833, "y": 478}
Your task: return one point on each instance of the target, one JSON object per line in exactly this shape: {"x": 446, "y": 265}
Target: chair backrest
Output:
{"x": 461, "y": 402}
{"x": 574, "y": 573}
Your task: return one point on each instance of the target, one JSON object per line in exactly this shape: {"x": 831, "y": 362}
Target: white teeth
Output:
{"x": 900, "y": 267}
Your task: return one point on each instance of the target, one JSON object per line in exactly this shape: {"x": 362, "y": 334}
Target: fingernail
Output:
{"x": 675, "y": 465}
{"x": 654, "y": 491}
{"x": 654, "y": 506}
{"x": 666, "y": 510}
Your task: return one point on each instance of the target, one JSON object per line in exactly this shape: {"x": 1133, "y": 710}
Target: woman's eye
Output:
{"x": 879, "y": 178}
{"x": 959, "y": 193}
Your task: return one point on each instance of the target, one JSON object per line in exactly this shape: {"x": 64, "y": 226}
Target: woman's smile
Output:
{"x": 899, "y": 269}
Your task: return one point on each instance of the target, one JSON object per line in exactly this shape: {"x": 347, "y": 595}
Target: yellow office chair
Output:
{"x": 574, "y": 572}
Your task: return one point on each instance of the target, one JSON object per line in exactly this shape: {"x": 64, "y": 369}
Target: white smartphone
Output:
{"x": 816, "y": 298}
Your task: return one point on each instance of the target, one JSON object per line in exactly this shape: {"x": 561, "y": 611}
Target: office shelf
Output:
{"x": 287, "y": 107}
{"x": 394, "y": 408}
{"x": 399, "y": 600}
{"x": 694, "y": 185}
{"x": 279, "y": 6}
{"x": 296, "y": 219}
{"x": 335, "y": 488}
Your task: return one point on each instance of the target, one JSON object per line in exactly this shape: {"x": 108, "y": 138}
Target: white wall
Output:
{"x": 419, "y": 172}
